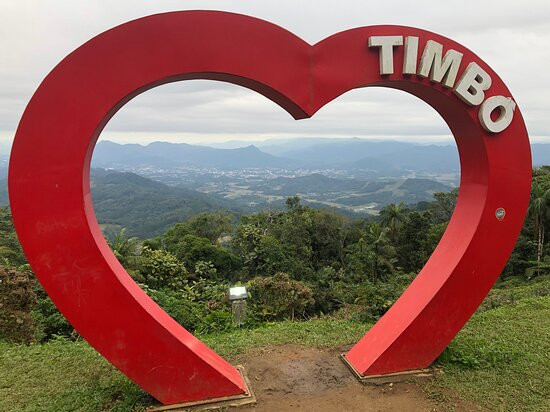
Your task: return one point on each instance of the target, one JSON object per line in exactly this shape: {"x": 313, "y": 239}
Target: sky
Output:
{"x": 513, "y": 37}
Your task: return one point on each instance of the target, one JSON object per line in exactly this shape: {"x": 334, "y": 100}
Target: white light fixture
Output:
{"x": 237, "y": 296}
{"x": 237, "y": 293}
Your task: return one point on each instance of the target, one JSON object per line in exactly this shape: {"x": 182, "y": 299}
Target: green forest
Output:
{"x": 297, "y": 264}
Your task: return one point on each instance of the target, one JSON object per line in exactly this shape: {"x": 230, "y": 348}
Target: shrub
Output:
{"x": 279, "y": 297}
{"x": 200, "y": 306}
{"x": 376, "y": 298}
{"x": 50, "y": 323}
{"x": 161, "y": 269}
{"x": 186, "y": 312}
{"x": 205, "y": 270}
{"x": 17, "y": 299}
{"x": 333, "y": 289}
{"x": 192, "y": 249}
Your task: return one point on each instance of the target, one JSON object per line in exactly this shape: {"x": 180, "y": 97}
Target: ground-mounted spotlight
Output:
{"x": 238, "y": 296}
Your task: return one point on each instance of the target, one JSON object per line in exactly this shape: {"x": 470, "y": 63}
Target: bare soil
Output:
{"x": 295, "y": 378}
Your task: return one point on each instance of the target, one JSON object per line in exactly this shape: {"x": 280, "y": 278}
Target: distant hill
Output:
{"x": 430, "y": 158}
{"x": 168, "y": 155}
{"x": 379, "y": 156}
{"x": 313, "y": 183}
{"x": 385, "y": 158}
{"x": 351, "y": 192}
{"x": 541, "y": 154}
{"x": 408, "y": 191}
{"x": 147, "y": 207}
{"x": 143, "y": 206}
{"x": 343, "y": 152}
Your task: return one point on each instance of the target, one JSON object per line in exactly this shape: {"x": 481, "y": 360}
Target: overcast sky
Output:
{"x": 513, "y": 37}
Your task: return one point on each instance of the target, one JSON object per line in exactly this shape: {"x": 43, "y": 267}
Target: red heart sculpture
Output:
{"x": 52, "y": 208}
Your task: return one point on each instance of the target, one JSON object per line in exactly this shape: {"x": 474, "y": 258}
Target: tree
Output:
{"x": 393, "y": 217}
{"x": 11, "y": 253}
{"x": 443, "y": 207}
{"x": 211, "y": 226}
{"x": 262, "y": 253}
{"x": 124, "y": 248}
{"x": 382, "y": 252}
{"x": 372, "y": 256}
{"x": 160, "y": 269}
{"x": 539, "y": 212}
{"x": 191, "y": 249}
{"x": 328, "y": 238}
{"x": 293, "y": 203}
{"x": 414, "y": 241}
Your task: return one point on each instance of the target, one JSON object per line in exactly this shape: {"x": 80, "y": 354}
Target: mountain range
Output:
{"x": 167, "y": 155}
{"x": 350, "y": 154}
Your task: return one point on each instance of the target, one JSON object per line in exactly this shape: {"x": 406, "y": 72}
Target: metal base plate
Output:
{"x": 246, "y": 398}
{"x": 389, "y": 377}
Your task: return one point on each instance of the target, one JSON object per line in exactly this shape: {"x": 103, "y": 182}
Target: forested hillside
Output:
{"x": 146, "y": 207}
{"x": 142, "y": 206}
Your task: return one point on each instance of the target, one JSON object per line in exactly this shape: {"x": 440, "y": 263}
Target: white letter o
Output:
{"x": 507, "y": 107}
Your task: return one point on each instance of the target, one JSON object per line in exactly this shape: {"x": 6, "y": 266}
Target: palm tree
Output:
{"x": 393, "y": 217}
{"x": 379, "y": 249}
{"x": 539, "y": 212}
{"x": 124, "y": 248}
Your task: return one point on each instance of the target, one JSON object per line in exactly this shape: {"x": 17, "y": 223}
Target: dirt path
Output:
{"x": 289, "y": 378}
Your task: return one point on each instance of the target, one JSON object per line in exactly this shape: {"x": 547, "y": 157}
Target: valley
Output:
{"x": 353, "y": 176}
{"x": 148, "y": 188}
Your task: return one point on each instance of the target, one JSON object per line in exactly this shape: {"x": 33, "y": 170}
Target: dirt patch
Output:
{"x": 288, "y": 378}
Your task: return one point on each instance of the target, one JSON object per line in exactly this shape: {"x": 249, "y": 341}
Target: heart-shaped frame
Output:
{"x": 52, "y": 208}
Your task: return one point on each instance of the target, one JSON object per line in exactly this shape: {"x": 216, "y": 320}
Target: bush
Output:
{"x": 332, "y": 290}
{"x": 279, "y": 297}
{"x": 367, "y": 300}
{"x": 205, "y": 270}
{"x": 200, "y": 306}
{"x": 376, "y": 298}
{"x": 50, "y": 323}
{"x": 187, "y": 313}
{"x": 17, "y": 299}
{"x": 160, "y": 269}
{"x": 192, "y": 249}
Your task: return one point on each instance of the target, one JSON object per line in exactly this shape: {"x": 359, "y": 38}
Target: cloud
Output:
{"x": 511, "y": 36}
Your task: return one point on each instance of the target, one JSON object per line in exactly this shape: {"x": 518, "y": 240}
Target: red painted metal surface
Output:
{"x": 54, "y": 218}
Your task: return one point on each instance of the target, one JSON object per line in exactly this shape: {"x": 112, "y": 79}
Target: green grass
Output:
{"x": 514, "y": 289}
{"x": 320, "y": 333}
{"x": 500, "y": 360}
{"x": 63, "y": 376}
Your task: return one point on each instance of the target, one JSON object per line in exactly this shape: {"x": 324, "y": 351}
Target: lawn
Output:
{"x": 500, "y": 360}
